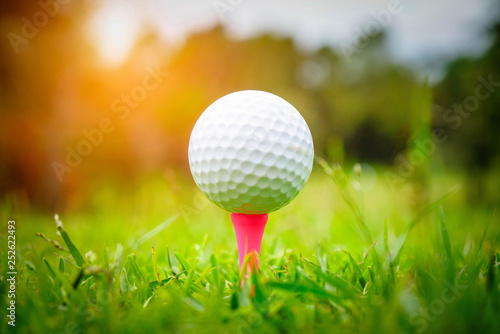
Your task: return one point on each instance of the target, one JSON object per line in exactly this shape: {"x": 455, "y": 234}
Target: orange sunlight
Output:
{"x": 113, "y": 29}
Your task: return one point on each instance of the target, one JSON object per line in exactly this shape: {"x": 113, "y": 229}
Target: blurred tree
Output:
{"x": 39, "y": 43}
{"x": 55, "y": 90}
{"x": 467, "y": 101}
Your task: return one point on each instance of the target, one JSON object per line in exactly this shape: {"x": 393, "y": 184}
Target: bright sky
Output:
{"x": 419, "y": 31}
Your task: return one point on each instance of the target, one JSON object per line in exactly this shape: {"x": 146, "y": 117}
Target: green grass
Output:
{"x": 347, "y": 255}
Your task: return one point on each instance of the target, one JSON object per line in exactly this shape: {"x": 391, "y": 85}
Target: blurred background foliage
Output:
{"x": 358, "y": 109}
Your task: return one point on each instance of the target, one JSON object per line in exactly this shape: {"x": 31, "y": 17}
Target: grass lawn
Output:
{"x": 349, "y": 254}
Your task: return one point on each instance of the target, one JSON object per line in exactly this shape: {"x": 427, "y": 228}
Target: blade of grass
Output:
{"x": 53, "y": 242}
{"x": 124, "y": 284}
{"x": 71, "y": 247}
{"x": 182, "y": 260}
{"x": 371, "y": 273}
{"x": 51, "y": 272}
{"x": 484, "y": 235}
{"x": 235, "y": 303}
{"x": 300, "y": 288}
{"x": 490, "y": 278}
{"x": 258, "y": 294}
{"x": 279, "y": 268}
{"x": 343, "y": 286}
{"x": 62, "y": 268}
{"x": 135, "y": 269}
{"x": 118, "y": 258}
{"x": 204, "y": 273}
{"x": 155, "y": 265}
{"x": 388, "y": 251}
{"x": 446, "y": 243}
{"x": 77, "y": 279}
{"x": 244, "y": 269}
{"x": 164, "y": 281}
{"x": 386, "y": 235}
{"x": 169, "y": 263}
{"x": 319, "y": 258}
{"x": 358, "y": 272}
{"x": 145, "y": 237}
{"x": 189, "y": 300}
{"x": 311, "y": 263}
{"x": 187, "y": 283}
{"x": 444, "y": 234}
{"x": 213, "y": 261}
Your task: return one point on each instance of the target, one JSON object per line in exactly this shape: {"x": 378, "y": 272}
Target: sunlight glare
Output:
{"x": 114, "y": 29}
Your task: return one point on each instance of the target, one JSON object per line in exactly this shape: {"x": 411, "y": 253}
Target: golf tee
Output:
{"x": 249, "y": 231}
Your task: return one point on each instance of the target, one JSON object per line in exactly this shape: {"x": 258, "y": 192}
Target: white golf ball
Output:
{"x": 251, "y": 152}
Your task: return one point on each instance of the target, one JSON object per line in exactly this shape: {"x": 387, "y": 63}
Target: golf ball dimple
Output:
{"x": 251, "y": 152}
